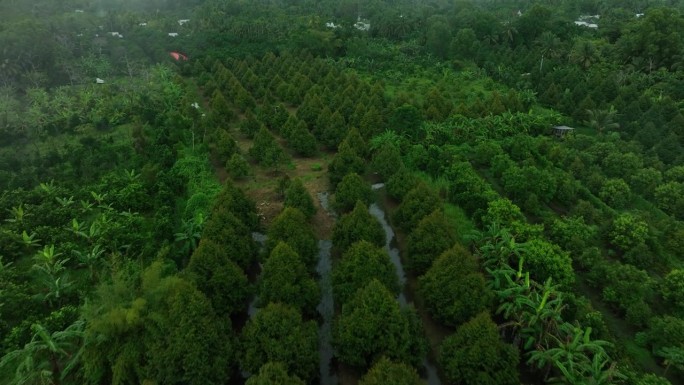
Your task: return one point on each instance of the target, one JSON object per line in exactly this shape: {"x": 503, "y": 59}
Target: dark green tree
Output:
{"x": 370, "y": 326}
{"x": 302, "y": 141}
{"x": 335, "y": 131}
{"x": 417, "y": 204}
{"x": 285, "y": 279}
{"x": 346, "y": 161}
{"x": 219, "y": 278}
{"x": 399, "y": 184}
{"x": 266, "y": 150}
{"x": 360, "y": 264}
{"x": 385, "y": 371}
{"x": 291, "y": 227}
{"x": 237, "y": 166}
{"x": 386, "y": 160}
{"x": 476, "y": 355}
{"x": 433, "y": 236}
{"x": 298, "y": 197}
{"x": 454, "y": 290}
{"x": 143, "y": 326}
{"x": 351, "y": 189}
{"x": 277, "y": 333}
{"x": 358, "y": 225}
{"x": 545, "y": 260}
{"x": 274, "y": 373}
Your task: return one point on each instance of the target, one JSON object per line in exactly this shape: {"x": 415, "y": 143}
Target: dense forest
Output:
{"x": 341, "y": 192}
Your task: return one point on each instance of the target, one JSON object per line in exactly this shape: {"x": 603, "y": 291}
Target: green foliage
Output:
{"x": 237, "y": 166}
{"x": 433, "y": 235}
{"x": 628, "y": 231}
{"x": 298, "y": 197}
{"x": 545, "y": 260}
{"x": 266, "y": 150}
{"x": 148, "y": 326}
{"x": 228, "y": 232}
{"x": 232, "y": 199}
{"x": 454, "y": 289}
{"x": 516, "y": 183}
{"x": 370, "y": 326}
{"x": 219, "y": 278}
{"x": 406, "y": 120}
{"x": 277, "y": 333}
{"x": 346, "y": 161}
{"x": 572, "y": 233}
{"x": 351, "y": 189}
{"x": 302, "y": 141}
{"x": 273, "y": 373}
{"x": 669, "y": 197}
{"x": 476, "y": 355}
{"x": 385, "y": 371}
{"x": 616, "y": 193}
{"x": 291, "y": 227}
{"x": 362, "y": 263}
{"x": 665, "y": 331}
{"x": 673, "y": 288}
{"x": 47, "y": 358}
{"x": 386, "y": 161}
{"x": 358, "y": 225}
{"x": 399, "y": 184}
{"x": 627, "y": 288}
{"x": 285, "y": 279}
{"x": 467, "y": 189}
{"x": 417, "y": 204}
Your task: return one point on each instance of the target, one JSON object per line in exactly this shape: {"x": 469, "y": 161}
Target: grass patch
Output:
{"x": 462, "y": 223}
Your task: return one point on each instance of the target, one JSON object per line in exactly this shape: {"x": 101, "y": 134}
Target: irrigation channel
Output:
{"x": 326, "y": 307}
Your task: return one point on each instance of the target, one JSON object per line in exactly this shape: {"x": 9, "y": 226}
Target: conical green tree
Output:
{"x": 454, "y": 290}
{"x": 358, "y": 225}
{"x": 285, "y": 279}
{"x": 360, "y": 264}
{"x": 298, "y": 197}
{"x": 475, "y": 355}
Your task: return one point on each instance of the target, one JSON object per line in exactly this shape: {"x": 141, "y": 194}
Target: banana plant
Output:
{"x": 577, "y": 358}
{"x": 18, "y": 214}
{"x": 47, "y": 255}
{"x": 49, "y": 187}
{"x": 4, "y": 266}
{"x": 90, "y": 258}
{"x": 49, "y": 358}
{"x": 191, "y": 231}
{"x": 30, "y": 240}
{"x": 65, "y": 202}
{"x": 672, "y": 356}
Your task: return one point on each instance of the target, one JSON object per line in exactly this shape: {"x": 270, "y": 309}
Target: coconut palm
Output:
{"x": 584, "y": 53}
{"x": 602, "y": 120}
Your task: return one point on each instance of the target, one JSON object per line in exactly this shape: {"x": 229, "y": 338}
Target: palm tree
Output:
{"x": 602, "y": 120}
{"x": 584, "y": 53}
{"x": 48, "y": 358}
